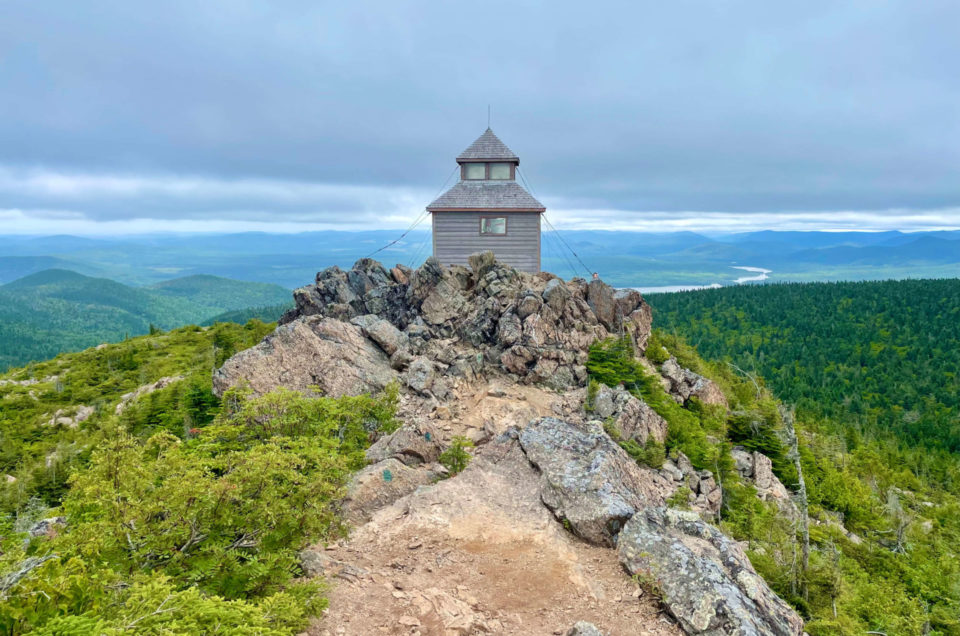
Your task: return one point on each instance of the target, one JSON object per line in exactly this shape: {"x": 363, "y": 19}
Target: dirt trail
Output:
{"x": 479, "y": 553}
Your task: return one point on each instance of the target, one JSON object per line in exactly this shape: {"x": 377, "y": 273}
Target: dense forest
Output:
{"x": 876, "y": 358}
{"x": 870, "y": 369}
{"x": 270, "y": 313}
{"x": 54, "y": 311}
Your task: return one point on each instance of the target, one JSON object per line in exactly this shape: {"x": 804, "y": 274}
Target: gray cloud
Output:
{"x": 351, "y": 113}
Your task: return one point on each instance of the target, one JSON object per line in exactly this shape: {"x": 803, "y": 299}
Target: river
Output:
{"x": 757, "y": 274}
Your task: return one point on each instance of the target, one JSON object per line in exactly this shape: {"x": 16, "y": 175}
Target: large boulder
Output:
{"x": 587, "y": 480}
{"x": 705, "y": 579}
{"x": 381, "y": 331}
{"x": 583, "y": 628}
{"x": 420, "y": 375}
{"x": 600, "y": 297}
{"x": 444, "y": 303}
{"x": 313, "y": 355}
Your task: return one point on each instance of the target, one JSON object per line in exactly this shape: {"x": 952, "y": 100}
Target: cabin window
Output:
{"x": 499, "y": 170}
{"x": 493, "y": 225}
{"x": 475, "y": 171}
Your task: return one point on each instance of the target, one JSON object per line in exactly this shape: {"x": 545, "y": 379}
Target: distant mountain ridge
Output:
{"x": 626, "y": 259}
{"x": 58, "y": 310}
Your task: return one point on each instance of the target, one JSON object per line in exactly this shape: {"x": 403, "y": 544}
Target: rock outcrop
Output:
{"x": 705, "y": 580}
{"x": 756, "y": 468}
{"x": 705, "y": 493}
{"x": 587, "y": 480}
{"x": 381, "y": 484}
{"x": 474, "y": 554}
{"x": 314, "y": 355}
{"x": 47, "y": 527}
{"x": 411, "y": 444}
{"x": 684, "y": 384}
{"x": 127, "y": 398}
{"x": 354, "y": 331}
{"x": 632, "y": 417}
{"x": 602, "y": 496}
{"x": 62, "y": 417}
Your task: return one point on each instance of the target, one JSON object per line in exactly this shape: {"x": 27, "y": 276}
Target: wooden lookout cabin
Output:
{"x": 487, "y": 210}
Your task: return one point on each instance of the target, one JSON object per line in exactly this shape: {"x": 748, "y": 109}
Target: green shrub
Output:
{"x": 652, "y": 454}
{"x": 170, "y": 535}
{"x": 612, "y": 362}
{"x": 229, "y": 522}
{"x": 656, "y": 352}
{"x": 41, "y": 457}
{"x": 588, "y": 403}
{"x": 680, "y": 498}
{"x": 456, "y": 457}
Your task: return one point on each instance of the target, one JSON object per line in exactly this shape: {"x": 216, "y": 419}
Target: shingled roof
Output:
{"x": 488, "y": 147}
{"x": 483, "y": 195}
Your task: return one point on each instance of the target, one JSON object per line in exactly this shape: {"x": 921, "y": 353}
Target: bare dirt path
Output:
{"x": 475, "y": 554}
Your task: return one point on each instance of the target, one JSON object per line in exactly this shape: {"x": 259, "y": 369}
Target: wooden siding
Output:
{"x": 456, "y": 235}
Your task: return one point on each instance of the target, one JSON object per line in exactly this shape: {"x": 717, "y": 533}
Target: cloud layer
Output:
{"x": 684, "y": 115}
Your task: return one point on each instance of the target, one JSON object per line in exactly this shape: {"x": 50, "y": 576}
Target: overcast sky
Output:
{"x": 138, "y": 116}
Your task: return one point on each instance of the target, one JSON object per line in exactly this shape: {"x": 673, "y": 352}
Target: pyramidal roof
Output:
{"x": 488, "y": 147}
{"x": 486, "y": 195}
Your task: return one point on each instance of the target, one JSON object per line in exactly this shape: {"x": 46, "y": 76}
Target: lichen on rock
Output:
{"x": 705, "y": 580}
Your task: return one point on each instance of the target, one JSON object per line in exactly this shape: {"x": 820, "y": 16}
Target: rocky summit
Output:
{"x": 355, "y": 331}
{"x": 543, "y": 530}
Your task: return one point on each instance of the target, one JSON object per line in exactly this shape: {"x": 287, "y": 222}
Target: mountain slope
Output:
{"x": 269, "y": 313}
{"x": 101, "y": 416}
{"x": 880, "y": 357}
{"x": 57, "y": 310}
{"x": 212, "y": 294}
{"x": 673, "y": 467}
{"x": 14, "y": 267}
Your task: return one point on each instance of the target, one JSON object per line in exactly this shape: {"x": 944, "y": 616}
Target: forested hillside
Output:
{"x": 269, "y": 313}
{"x": 884, "y": 543}
{"x": 871, "y": 368}
{"x": 57, "y": 310}
{"x": 879, "y": 358}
